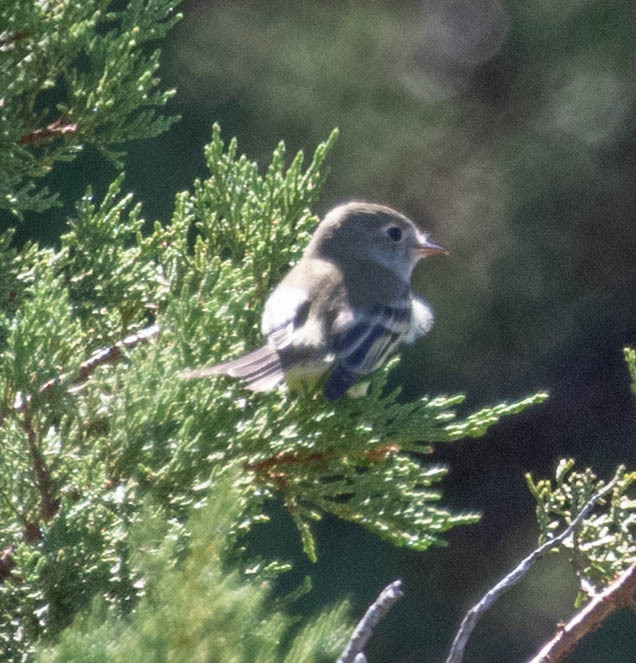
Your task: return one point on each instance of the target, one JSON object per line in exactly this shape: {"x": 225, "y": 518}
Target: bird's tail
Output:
{"x": 260, "y": 370}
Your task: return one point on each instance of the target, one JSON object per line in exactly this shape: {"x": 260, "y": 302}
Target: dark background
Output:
{"x": 508, "y": 130}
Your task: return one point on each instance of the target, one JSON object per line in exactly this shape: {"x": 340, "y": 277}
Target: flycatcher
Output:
{"x": 344, "y": 308}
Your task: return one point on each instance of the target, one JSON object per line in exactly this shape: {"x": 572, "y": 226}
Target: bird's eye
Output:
{"x": 394, "y": 233}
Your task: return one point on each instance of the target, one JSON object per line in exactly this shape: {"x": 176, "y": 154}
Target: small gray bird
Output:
{"x": 346, "y": 306}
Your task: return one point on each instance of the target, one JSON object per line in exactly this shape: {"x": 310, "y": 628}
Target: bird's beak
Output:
{"x": 427, "y": 247}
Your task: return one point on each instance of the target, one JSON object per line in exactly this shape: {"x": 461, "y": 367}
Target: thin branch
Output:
{"x": 13, "y": 38}
{"x": 115, "y": 352}
{"x": 363, "y": 631}
{"x": 48, "y": 504}
{"x": 23, "y": 402}
{"x": 473, "y": 615}
{"x": 57, "y": 128}
{"x": 618, "y": 595}
{"x": 111, "y": 355}
{"x": 6, "y": 563}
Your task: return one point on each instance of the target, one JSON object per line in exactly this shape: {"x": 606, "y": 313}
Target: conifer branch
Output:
{"x": 13, "y": 38}
{"x": 49, "y": 505}
{"x": 7, "y": 563}
{"x": 364, "y": 630}
{"x": 618, "y": 595}
{"x": 110, "y": 355}
{"x": 115, "y": 352}
{"x": 57, "y": 128}
{"x": 471, "y": 618}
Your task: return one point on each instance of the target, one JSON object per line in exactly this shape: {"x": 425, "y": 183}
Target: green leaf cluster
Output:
{"x": 200, "y": 610}
{"x": 86, "y": 442}
{"x": 75, "y": 74}
{"x": 603, "y": 545}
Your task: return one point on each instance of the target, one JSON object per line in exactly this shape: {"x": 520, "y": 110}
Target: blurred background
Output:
{"x": 506, "y": 128}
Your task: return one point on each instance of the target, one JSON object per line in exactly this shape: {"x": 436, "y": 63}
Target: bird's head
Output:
{"x": 373, "y": 233}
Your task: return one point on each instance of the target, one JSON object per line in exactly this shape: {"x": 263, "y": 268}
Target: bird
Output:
{"x": 344, "y": 308}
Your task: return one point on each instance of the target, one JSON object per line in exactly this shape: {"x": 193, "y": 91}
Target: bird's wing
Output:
{"x": 264, "y": 368}
{"x": 293, "y": 328}
{"x": 283, "y": 309}
{"x": 364, "y": 342}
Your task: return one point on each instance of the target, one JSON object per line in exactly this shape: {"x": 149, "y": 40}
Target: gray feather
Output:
{"x": 261, "y": 370}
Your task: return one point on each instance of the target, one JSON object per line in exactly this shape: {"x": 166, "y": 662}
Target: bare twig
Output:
{"x": 363, "y": 631}
{"x": 619, "y": 594}
{"x": 472, "y": 616}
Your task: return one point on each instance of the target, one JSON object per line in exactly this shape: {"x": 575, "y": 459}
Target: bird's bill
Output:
{"x": 427, "y": 247}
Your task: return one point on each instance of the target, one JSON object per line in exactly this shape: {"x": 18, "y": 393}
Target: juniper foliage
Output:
{"x": 84, "y": 447}
{"x": 604, "y": 544}
{"x": 75, "y": 75}
{"x": 201, "y": 609}
{"x": 95, "y": 422}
